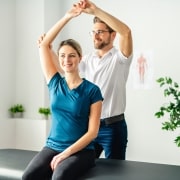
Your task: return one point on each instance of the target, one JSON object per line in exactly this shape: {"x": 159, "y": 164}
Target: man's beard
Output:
{"x": 102, "y": 44}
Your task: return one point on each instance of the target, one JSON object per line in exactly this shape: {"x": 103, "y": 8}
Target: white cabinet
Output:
{"x": 20, "y": 133}
{"x": 31, "y": 133}
{"x": 7, "y": 133}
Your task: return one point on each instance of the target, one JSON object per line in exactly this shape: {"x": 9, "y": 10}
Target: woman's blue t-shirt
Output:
{"x": 70, "y": 111}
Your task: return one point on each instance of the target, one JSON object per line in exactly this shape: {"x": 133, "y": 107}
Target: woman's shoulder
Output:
{"x": 90, "y": 84}
{"x": 55, "y": 79}
{"x": 93, "y": 90}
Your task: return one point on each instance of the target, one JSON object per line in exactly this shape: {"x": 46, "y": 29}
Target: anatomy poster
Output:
{"x": 142, "y": 70}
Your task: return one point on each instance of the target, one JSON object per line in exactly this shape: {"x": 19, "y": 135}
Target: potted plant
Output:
{"x": 17, "y": 110}
{"x": 170, "y": 110}
{"x": 45, "y": 111}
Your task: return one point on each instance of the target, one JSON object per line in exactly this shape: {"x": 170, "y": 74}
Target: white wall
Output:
{"x": 29, "y": 79}
{"x": 7, "y": 71}
{"x": 155, "y": 27}
{"x": 7, "y": 55}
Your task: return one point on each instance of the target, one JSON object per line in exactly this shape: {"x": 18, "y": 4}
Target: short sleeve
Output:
{"x": 96, "y": 95}
{"x": 54, "y": 80}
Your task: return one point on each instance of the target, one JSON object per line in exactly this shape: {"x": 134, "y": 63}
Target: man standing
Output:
{"x": 108, "y": 67}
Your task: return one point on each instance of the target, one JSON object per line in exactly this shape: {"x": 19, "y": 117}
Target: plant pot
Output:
{"x": 45, "y": 117}
{"x": 17, "y": 115}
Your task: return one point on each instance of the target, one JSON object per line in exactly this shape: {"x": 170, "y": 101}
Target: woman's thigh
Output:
{"x": 39, "y": 167}
{"x": 75, "y": 166}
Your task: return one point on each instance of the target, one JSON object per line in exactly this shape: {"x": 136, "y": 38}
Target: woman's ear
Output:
{"x": 80, "y": 58}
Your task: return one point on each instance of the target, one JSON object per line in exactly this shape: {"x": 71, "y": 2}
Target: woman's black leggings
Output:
{"x": 69, "y": 169}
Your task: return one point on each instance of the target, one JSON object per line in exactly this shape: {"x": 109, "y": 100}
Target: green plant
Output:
{"x": 16, "y": 108}
{"x": 172, "y": 108}
{"x": 45, "y": 111}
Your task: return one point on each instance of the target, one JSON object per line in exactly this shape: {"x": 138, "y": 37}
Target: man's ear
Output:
{"x": 113, "y": 34}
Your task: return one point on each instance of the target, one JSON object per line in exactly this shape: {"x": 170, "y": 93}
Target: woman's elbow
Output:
{"x": 94, "y": 134}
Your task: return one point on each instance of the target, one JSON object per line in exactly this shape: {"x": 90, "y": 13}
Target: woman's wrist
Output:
{"x": 67, "y": 17}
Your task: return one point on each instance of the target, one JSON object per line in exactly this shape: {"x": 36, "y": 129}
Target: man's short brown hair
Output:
{"x": 96, "y": 19}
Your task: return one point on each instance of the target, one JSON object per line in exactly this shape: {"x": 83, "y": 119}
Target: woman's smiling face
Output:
{"x": 68, "y": 58}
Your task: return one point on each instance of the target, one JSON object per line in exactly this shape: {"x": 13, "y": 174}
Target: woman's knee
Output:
{"x": 26, "y": 176}
{"x": 63, "y": 174}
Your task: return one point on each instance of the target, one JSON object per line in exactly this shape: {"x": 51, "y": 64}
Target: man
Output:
{"x": 108, "y": 67}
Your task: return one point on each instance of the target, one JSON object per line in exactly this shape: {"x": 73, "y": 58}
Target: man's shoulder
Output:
{"x": 89, "y": 55}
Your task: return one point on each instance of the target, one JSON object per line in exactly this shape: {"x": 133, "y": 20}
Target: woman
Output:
{"x": 75, "y": 106}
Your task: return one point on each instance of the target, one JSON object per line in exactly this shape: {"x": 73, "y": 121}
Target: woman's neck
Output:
{"x": 73, "y": 80}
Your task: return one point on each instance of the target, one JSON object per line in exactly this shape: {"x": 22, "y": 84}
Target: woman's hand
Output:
{"x": 40, "y": 40}
{"x": 86, "y": 6}
{"x": 75, "y": 11}
{"x": 58, "y": 159}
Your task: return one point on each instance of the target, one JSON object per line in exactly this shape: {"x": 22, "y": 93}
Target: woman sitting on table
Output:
{"x": 75, "y": 106}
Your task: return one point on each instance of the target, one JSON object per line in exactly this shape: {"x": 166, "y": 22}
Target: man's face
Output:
{"x": 101, "y": 36}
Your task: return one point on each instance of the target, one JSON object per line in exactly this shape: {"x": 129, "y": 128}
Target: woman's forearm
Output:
{"x": 54, "y": 31}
